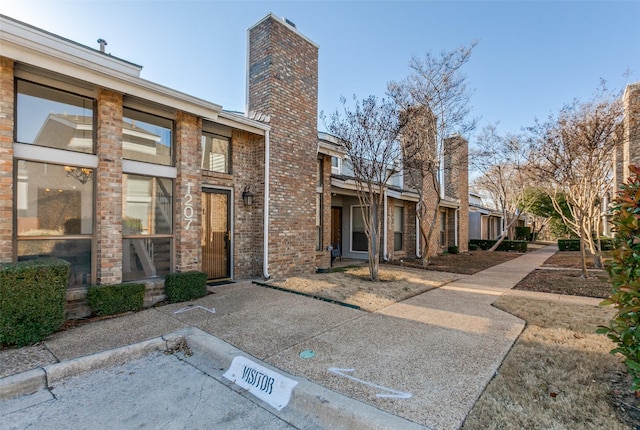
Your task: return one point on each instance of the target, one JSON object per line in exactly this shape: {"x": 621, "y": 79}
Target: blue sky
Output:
{"x": 532, "y": 57}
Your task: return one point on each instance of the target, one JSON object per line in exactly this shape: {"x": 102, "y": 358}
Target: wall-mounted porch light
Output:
{"x": 247, "y": 196}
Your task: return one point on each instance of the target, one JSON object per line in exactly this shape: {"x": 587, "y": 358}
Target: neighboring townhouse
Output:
{"x": 629, "y": 152}
{"x": 340, "y": 221}
{"x": 484, "y": 223}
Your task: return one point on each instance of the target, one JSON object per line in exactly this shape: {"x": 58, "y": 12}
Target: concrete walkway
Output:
{"x": 425, "y": 360}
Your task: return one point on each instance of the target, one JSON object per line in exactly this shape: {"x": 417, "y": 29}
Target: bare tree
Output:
{"x": 572, "y": 153}
{"x": 500, "y": 161}
{"x": 434, "y": 104}
{"x": 368, "y": 132}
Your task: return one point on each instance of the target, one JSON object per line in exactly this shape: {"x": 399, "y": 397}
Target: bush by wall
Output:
{"x": 523, "y": 233}
{"x": 453, "y": 249}
{"x": 115, "y": 299}
{"x": 184, "y": 286}
{"x": 606, "y": 244}
{"x": 32, "y": 298}
{"x": 506, "y": 245}
{"x": 569, "y": 244}
{"x": 624, "y": 272}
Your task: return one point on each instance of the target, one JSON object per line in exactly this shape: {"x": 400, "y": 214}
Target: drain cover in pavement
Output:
{"x": 307, "y": 353}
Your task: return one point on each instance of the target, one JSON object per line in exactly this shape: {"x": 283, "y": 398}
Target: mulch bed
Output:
{"x": 466, "y": 263}
{"x": 568, "y": 282}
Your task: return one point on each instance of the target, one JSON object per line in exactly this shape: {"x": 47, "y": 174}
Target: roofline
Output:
{"x": 30, "y": 45}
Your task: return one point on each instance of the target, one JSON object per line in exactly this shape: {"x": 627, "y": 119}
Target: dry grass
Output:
{"x": 558, "y": 375}
{"x": 353, "y": 286}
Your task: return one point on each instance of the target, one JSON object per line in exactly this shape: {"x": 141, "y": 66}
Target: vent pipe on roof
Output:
{"x": 102, "y": 43}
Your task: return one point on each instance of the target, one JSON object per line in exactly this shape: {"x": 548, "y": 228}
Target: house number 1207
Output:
{"x": 188, "y": 212}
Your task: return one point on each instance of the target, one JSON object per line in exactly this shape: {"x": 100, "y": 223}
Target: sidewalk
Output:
{"x": 426, "y": 359}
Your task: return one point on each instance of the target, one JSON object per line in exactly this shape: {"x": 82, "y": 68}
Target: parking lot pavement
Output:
{"x": 157, "y": 391}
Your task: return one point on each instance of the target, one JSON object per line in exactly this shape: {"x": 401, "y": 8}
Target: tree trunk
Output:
{"x": 583, "y": 257}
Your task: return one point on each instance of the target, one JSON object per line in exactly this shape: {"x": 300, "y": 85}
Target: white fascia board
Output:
{"x": 330, "y": 149}
{"x": 242, "y": 123}
{"x": 35, "y": 39}
{"x": 403, "y": 195}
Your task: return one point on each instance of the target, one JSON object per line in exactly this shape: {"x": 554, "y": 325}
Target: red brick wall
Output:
{"x": 248, "y": 169}
{"x": 109, "y": 188}
{"x": 6, "y": 159}
{"x": 283, "y": 83}
{"x": 187, "y": 199}
{"x": 323, "y": 257}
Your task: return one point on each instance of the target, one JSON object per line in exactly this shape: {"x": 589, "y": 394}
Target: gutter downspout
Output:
{"x": 265, "y": 252}
{"x": 418, "y": 253}
{"x": 455, "y": 226}
{"x": 385, "y": 255}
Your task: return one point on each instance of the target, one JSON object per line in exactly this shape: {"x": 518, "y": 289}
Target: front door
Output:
{"x": 336, "y": 226}
{"x": 216, "y": 233}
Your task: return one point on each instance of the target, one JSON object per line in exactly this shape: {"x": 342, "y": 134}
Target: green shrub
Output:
{"x": 473, "y": 247}
{"x": 453, "y": 249}
{"x": 624, "y": 272}
{"x": 184, "y": 286}
{"x": 115, "y": 299}
{"x": 506, "y": 245}
{"x": 569, "y": 244}
{"x": 523, "y": 233}
{"x": 32, "y": 298}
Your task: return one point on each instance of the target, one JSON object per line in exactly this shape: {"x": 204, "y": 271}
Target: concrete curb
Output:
{"x": 311, "y": 405}
{"x": 22, "y": 384}
{"x": 34, "y": 380}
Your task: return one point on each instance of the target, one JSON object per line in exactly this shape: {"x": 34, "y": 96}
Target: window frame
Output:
{"x": 401, "y": 231}
{"x": 229, "y": 157}
{"x": 29, "y": 80}
{"x": 143, "y": 113}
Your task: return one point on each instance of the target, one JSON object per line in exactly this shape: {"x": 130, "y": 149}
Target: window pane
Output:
{"x": 54, "y": 200}
{"x": 147, "y": 138}
{"x": 358, "y": 236}
{"x": 148, "y": 205}
{"x": 215, "y": 153}
{"x": 75, "y": 251}
{"x": 398, "y": 227}
{"x": 318, "y": 221}
{"x": 145, "y": 258}
{"x": 52, "y": 118}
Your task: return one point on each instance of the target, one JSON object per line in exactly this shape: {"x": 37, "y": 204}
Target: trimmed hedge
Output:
{"x": 453, "y": 249}
{"x": 185, "y": 286}
{"x": 523, "y": 233}
{"x": 506, "y": 245}
{"x": 32, "y": 298}
{"x": 606, "y": 244}
{"x": 115, "y": 299}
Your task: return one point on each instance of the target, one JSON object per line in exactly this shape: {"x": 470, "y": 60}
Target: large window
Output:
{"x": 147, "y": 226}
{"x": 147, "y": 138}
{"x": 54, "y": 213}
{"x": 53, "y": 118}
{"x": 398, "y": 228}
{"x": 358, "y": 236}
{"x": 216, "y": 153}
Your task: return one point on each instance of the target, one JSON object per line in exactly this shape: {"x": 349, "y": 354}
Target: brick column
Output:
{"x": 6, "y": 159}
{"x": 323, "y": 257}
{"x": 283, "y": 83}
{"x": 188, "y": 193}
{"x": 109, "y": 188}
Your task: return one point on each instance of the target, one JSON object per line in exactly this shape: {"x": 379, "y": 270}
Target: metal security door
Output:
{"x": 216, "y": 233}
